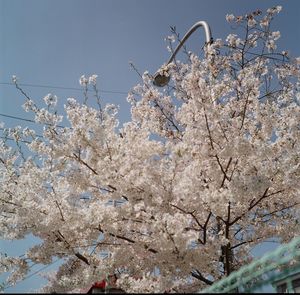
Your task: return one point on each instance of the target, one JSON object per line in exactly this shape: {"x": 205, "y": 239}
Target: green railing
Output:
{"x": 276, "y": 265}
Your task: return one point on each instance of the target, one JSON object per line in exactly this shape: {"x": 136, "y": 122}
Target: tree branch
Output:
{"x": 85, "y": 164}
{"x": 278, "y": 210}
{"x": 208, "y": 130}
{"x": 190, "y": 213}
{"x": 200, "y": 277}
{"x": 253, "y": 204}
{"x": 82, "y": 258}
{"x": 222, "y": 169}
{"x": 60, "y": 211}
{"x": 205, "y": 227}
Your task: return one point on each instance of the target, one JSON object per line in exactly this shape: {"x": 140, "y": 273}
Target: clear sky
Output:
{"x": 54, "y": 42}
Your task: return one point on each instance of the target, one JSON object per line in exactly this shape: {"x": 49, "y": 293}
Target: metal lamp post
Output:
{"x": 161, "y": 80}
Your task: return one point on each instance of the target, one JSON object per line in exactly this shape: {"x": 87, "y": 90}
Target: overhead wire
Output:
{"x": 4, "y": 129}
{"x": 17, "y": 118}
{"x": 24, "y": 119}
{"x": 9, "y": 138}
{"x": 33, "y": 274}
{"x": 21, "y": 119}
{"x": 54, "y": 87}
{"x": 61, "y": 87}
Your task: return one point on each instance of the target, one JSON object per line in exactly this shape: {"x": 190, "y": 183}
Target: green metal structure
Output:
{"x": 269, "y": 269}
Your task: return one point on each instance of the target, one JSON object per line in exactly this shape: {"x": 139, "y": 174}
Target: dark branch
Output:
{"x": 85, "y": 164}
{"x": 82, "y": 258}
{"x": 196, "y": 274}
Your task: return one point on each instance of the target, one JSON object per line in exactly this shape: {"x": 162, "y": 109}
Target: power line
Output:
{"x": 12, "y": 139}
{"x": 27, "y": 120}
{"x": 33, "y": 274}
{"x": 61, "y": 87}
{"x": 8, "y": 138}
{"x": 17, "y": 118}
{"x": 4, "y": 129}
{"x": 49, "y": 86}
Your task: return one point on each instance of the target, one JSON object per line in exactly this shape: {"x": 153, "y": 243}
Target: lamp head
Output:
{"x": 160, "y": 80}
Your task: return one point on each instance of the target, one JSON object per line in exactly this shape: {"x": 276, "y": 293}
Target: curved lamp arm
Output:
{"x": 162, "y": 80}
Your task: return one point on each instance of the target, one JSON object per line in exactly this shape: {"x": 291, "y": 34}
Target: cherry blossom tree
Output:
{"x": 175, "y": 199}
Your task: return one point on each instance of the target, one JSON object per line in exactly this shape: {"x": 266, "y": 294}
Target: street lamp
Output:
{"x": 161, "y": 80}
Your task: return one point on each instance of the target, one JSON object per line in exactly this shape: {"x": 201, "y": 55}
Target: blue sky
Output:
{"x": 54, "y": 42}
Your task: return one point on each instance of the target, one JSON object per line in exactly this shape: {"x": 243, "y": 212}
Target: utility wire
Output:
{"x": 3, "y": 129}
{"x": 8, "y": 138}
{"x": 33, "y": 274}
{"x": 61, "y": 87}
{"x": 49, "y": 86}
{"x": 27, "y": 120}
{"x": 24, "y": 141}
{"x": 17, "y": 118}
